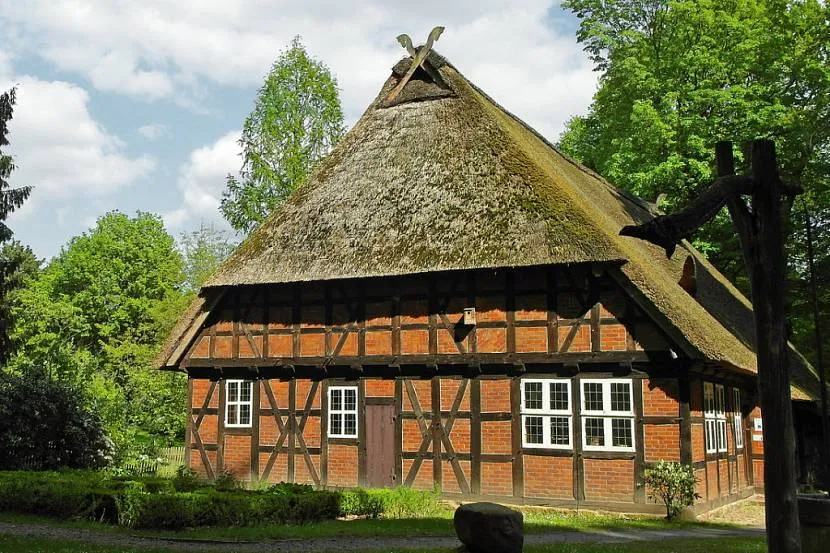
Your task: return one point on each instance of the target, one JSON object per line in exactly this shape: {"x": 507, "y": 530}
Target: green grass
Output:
{"x": 438, "y": 524}
{"x": 9, "y": 544}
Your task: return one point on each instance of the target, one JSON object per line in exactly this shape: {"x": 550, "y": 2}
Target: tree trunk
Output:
{"x": 768, "y": 262}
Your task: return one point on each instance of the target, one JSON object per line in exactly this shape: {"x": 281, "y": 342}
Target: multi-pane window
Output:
{"x": 714, "y": 417}
{"x": 238, "y": 402}
{"x": 343, "y": 412}
{"x": 546, "y": 413}
{"x": 607, "y": 415}
{"x": 738, "y": 419}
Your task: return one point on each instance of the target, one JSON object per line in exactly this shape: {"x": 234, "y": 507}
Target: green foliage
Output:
{"x": 186, "y": 479}
{"x": 225, "y": 481}
{"x": 18, "y": 266}
{"x": 65, "y": 494}
{"x": 13, "y": 262}
{"x": 677, "y": 76}
{"x": 296, "y": 120}
{"x": 203, "y": 251}
{"x": 46, "y": 425}
{"x": 399, "y": 502}
{"x": 154, "y": 503}
{"x": 94, "y": 318}
{"x": 673, "y": 484}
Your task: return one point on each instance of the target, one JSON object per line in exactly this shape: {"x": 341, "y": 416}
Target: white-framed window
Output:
{"x": 607, "y": 414}
{"x": 738, "y": 418}
{"x": 342, "y": 412}
{"x": 238, "y": 402}
{"x": 714, "y": 417}
{"x": 546, "y": 413}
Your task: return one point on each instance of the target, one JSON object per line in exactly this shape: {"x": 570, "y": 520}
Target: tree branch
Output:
{"x": 667, "y": 231}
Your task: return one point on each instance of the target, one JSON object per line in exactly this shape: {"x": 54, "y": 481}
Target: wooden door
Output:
{"x": 380, "y": 446}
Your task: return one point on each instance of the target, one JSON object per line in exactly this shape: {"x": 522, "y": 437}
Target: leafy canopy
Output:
{"x": 203, "y": 251}
{"x": 679, "y": 75}
{"x": 95, "y": 317}
{"x": 296, "y": 120}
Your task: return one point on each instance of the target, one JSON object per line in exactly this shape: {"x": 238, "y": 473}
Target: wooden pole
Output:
{"x": 783, "y": 535}
{"x": 825, "y": 422}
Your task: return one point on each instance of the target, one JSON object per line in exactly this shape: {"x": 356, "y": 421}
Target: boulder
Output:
{"x": 489, "y": 528}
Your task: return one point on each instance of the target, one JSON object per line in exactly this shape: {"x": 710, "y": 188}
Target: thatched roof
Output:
{"x": 444, "y": 178}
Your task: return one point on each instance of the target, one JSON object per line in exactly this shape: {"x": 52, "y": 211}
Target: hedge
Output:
{"x": 182, "y": 502}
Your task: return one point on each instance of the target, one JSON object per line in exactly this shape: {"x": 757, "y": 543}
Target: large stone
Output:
{"x": 814, "y": 516}
{"x": 489, "y": 528}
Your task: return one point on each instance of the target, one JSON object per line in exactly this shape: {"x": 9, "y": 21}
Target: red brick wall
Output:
{"x": 495, "y": 396}
{"x": 497, "y": 479}
{"x": 609, "y": 479}
{"x": 342, "y": 464}
{"x": 661, "y": 398}
{"x": 548, "y": 477}
{"x": 496, "y": 437}
{"x": 662, "y": 442}
{"x": 237, "y": 456}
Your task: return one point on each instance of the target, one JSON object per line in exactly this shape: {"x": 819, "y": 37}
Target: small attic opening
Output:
{"x": 425, "y": 83}
{"x": 688, "y": 280}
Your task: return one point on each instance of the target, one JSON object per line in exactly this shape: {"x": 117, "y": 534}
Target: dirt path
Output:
{"x": 355, "y": 544}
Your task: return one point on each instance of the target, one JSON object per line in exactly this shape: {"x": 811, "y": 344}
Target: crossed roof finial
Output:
{"x": 419, "y": 56}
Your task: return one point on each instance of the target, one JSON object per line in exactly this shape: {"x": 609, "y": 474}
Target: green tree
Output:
{"x": 203, "y": 251}
{"x": 95, "y": 317}
{"x": 677, "y": 76}
{"x": 19, "y": 266}
{"x": 10, "y": 199}
{"x": 296, "y": 120}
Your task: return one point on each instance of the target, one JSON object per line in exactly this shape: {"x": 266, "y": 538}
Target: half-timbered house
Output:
{"x": 447, "y": 303}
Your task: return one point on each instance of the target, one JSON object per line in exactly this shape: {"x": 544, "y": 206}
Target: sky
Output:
{"x": 137, "y": 105}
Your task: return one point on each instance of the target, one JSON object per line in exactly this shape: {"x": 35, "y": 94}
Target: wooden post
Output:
{"x": 762, "y": 242}
{"x": 771, "y": 346}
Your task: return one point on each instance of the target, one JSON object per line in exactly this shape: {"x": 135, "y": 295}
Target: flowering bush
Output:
{"x": 673, "y": 484}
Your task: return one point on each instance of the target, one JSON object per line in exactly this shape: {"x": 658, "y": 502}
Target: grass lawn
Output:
{"x": 722, "y": 545}
{"x": 440, "y": 524}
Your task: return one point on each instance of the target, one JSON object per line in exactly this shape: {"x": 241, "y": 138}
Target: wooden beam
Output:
{"x": 516, "y": 437}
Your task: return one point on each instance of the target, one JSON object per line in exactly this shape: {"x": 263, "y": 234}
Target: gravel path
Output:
{"x": 356, "y": 544}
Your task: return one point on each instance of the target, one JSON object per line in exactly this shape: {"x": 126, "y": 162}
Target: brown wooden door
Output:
{"x": 380, "y": 446}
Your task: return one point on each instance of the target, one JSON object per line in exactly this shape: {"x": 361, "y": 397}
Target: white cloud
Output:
{"x": 60, "y": 149}
{"x": 154, "y": 131}
{"x": 202, "y": 179}
{"x": 160, "y": 49}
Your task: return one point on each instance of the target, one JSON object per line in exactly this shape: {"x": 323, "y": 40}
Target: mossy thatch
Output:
{"x": 449, "y": 180}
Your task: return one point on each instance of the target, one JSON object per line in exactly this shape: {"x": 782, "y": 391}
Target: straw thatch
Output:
{"x": 444, "y": 178}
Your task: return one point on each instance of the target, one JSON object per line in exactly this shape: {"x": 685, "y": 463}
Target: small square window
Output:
{"x": 593, "y": 396}
{"x": 343, "y": 411}
{"x": 594, "y": 432}
{"x": 533, "y": 395}
{"x": 621, "y": 396}
{"x": 238, "y": 403}
{"x": 560, "y": 431}
{"x": 621, "y": 433}
{"x": 559, "y": 396}
{"x": 533, "y": 430}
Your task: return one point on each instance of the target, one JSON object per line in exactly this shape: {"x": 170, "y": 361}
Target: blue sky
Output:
{"x": 137, "y": 105}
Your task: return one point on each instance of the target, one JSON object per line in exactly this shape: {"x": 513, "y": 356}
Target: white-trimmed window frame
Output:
{"x": 343, "y": 412}
{"x": 607, "y": 414}
{"x": 737, "y": 420}
{"x": 714, "y": 417}
{"x": 546, "y": 413}
{"x": 235, "y": 400}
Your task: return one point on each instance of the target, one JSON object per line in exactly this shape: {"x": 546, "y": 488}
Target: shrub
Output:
{"x": 673, "y": 484}
{"x": 68, "y": 495}
{"x": 225, "y": 481}
{"x": 186, "y": 479}
{"x": 45, "y": 425}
